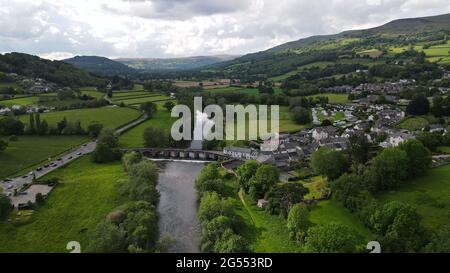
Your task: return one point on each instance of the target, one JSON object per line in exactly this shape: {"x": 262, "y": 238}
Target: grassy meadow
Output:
{"x": 110, "y": 117}
{"x": 429, "y": 194}
{"x": 30, "y": 150}
{"x": 85, "y": 196}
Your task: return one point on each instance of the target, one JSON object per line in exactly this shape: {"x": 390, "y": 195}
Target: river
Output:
{"x": 178, "y": 205}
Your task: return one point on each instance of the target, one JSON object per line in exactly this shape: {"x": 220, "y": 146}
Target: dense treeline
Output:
{"x": 221, "y": 225}
{"x": 132, "y": 227}
{"x": 354, "y": 183}
{"x": 53, "y": 71}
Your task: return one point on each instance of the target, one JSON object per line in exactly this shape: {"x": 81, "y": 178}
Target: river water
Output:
{"x": 178, "y": 205}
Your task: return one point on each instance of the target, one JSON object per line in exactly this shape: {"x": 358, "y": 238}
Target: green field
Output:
{"x": 437, "y": 53}
{"x": 429, "y": 194}
{"x": 135, "y": 101}
{"x": 267, "y": 233}
{"x": 413, "y": 123}
{"x": 87, "y": 194}
{"x": 92, "y": 92}
{"x": 30, "y": 150}
{"x": 331, "y": 211}
{"x": 119, "y": 95}
{"x": 286, "y": 123}
{"x": 336, "y": 117}
{"x": 20, "y": 101}
{"x": 333, "y": 98}
{"x": 111, "y": 117}
{"x": 134, "y": 137}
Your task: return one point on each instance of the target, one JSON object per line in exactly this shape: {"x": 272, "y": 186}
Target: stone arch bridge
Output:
{"x": 181, "y": 154}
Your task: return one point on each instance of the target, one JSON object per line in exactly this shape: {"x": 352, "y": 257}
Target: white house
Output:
{"x": 320, "y": 133}
{"x": 241, "y": 153}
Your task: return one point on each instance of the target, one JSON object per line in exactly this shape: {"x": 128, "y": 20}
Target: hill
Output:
{"x": 54, "y": 71}
{"x": 100, "y": 65}
{"x": 173, "y": 64}
{"x": 289, "y": 56}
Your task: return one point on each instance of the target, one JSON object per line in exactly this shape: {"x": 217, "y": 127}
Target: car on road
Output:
{"x": 10, "y": 187}
{"x": 39, "y": 169}
{"x": 70, "y": 157}
{"x": 25, "y": 176}
{"x": 79, "y": 153}
{"x": 46, "y": 166}
{"x": 7, "y": 180}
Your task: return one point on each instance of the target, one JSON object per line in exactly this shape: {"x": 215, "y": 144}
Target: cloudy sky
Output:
{"x": 58, "y": 29}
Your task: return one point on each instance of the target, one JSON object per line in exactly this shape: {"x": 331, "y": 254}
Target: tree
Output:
{"x": 11, "y": 126}
{"x": 94, "y": 129}
{"x": 107, "y": 238}
{"x": 39, "y": 198}
{"x": 103, "y": 153}
{"x": 212, "y": 206}
{"x": 358, "y": 148}
{"x": 419, "y": 106}
{"x": 430, "y": 140}
{"x": 215, "y": 185}
{"x": 141, "y": 226}
{"x": 5, "y": 205}
{"x": 398, "y": 225}
{"x": 169, "y": 105}
{"x": 3, "y": 145}
{"x": 43, "y": 128}
{"x": 348, "y": 189}
{"x": 31, "y": 125}
{"x": 326, "y": 122}
{"x": 389, "y": 170}
{"x": 61, "y": 125}
{"x": 439, "y": 241}
{"x": 129, "y": 159}
{"x": 419, "y": 157}
{"x": 329, "y": 162}
{"x": 37, "y": 120}
{"x": 212, "y": 232}
{"x": 231, "y": 243}
{"x": 438, "y": 106}
{"x": 149, "y": 108}
{"x": 245, "y": 172}
{"x": 108, "y": 137}
{"x": 331, "y": 238}
{"x": 156, "y": 137}
{"x": 266, "y": 176}
{"x": 282, "y": 197}
{"x": 141, "y": 182}
{"x": 301, "y": 115}
{"x": 298, "y": 222}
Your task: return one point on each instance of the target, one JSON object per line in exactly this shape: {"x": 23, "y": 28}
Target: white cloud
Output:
{"x": 166, "y": 28}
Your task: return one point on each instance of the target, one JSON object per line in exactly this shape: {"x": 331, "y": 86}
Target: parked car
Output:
{"x": 25, "y": 176}
{"x": 10, "y": 187}
{"x": 59, "y": 159}
{"x": 39, "y": 169}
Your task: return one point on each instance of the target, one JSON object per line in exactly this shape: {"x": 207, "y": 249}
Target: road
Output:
{"x": 55, "y": 163}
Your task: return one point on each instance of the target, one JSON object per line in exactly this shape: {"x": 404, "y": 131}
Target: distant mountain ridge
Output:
{"x": 100, "y": 65}
{"x": 286, "y": 57}
{"x": 57, "y": 72}
{"x": 173, "y": 64}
